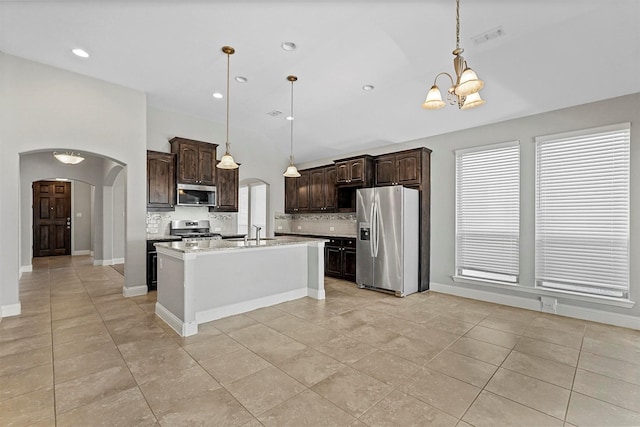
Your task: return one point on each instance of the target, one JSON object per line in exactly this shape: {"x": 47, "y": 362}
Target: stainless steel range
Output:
{"x": 193, "y": 230}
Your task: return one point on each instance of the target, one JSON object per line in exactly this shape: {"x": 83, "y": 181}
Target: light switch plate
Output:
{"x": 299, "y": 227}
{"x": 332, "y": 229}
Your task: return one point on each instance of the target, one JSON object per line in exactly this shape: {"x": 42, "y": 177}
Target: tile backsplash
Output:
{"x": 158, "y": 222}
{"x": 327, "y": 223}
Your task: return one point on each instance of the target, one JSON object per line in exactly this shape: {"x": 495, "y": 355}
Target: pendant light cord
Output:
{"x": 457, "y": 24}
{"x": 228, "y": 66}
{"x": 292, "y": 118}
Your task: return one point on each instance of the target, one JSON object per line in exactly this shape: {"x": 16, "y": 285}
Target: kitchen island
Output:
{"x": 206, "y": 280}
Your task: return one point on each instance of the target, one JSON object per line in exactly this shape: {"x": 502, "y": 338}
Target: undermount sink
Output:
{"x": 250, "y": 240}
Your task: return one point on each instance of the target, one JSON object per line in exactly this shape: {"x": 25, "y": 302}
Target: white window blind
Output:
{"x": 582, "y": 211}
{"x": 488, "y": 212}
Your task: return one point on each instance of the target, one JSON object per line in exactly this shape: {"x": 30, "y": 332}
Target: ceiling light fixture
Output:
{"x": 241, "y": 79}
{"x": 292, "y": 171}
{"x": 80, "y": 52}
{"x": 68, "y": 158}
{"x": 227, "y": 162}
{"x": 218, "y": 95}
{"x": 465, "y": 90}
{"x": 368, "y": 88}
{"x": 288, "y": 46}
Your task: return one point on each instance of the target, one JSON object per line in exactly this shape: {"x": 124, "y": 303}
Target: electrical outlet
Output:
{"x": 549, "y": 304}
{"x": 160, "y": 263}
{"x": 217, "y": 229}
{"x": 279, "y": 227}
{"x": 332, "y": 229}
{"x": 299, "y": 227}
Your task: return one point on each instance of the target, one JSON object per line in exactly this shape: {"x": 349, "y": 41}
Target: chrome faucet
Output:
{"x": 257, "y": 233}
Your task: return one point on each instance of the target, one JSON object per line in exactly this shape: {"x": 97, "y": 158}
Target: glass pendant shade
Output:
{"x": 291, "y": 172}
{"x": 434, "y": 99}
{"x": 472, "y": 101}
{"x": 227, "y": 162}
{"x": 469, "y": 83}
{"x": 68, "y": 158}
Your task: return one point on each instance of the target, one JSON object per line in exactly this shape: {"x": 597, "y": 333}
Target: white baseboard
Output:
{"x": 26, "y": 268}
{"x": 583, "y": 313}
{"x": 316, "y": 294}
{"x": 10, "y": 310}
{"x": 134, "y": 291}
{"x": 245, "y": 306}
{"x": 117, "y": 261}
{"x": 82, "y": 252}
{"x": 101, "y": 262}
{"x": 183, "y": 329}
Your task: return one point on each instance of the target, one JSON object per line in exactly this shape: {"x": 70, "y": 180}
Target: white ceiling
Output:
{"x": 554, "y": 54}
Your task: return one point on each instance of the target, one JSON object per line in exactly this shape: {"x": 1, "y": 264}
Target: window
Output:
{"x": 488, "y": 212}
{"x": 252, "y": 207}
{"x": 582, "y": 211}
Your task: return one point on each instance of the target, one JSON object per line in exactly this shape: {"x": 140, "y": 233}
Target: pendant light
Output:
{"x": 227, "y": 162}
{"x": 68, "y": 158}
{"x": 465, "y": 90}
{"x": 292, "y": 171}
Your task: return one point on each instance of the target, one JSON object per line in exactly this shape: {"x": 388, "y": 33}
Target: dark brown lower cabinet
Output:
{"x": 340, "y": 258}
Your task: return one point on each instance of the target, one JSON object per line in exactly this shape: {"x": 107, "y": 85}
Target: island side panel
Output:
{"x": 170, "y": 305}
{"x": 315, "y": 273}
{"x": 236, "y": 281}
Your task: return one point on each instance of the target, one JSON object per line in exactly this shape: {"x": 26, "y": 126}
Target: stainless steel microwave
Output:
{"x": 196, "y": 195}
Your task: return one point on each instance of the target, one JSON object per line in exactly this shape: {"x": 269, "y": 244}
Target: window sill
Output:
{"x": 617, "y": 302}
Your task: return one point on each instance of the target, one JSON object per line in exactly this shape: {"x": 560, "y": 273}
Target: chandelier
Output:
{"x": 292, "y": 171}
{"x": 227, "y": 162}
{"x": 465, "y": 90}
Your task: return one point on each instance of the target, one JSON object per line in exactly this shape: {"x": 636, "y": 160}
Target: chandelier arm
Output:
{"x": 443, "y": 73}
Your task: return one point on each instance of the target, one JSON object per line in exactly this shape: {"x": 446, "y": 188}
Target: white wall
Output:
{"x": 43, "y": 107}
{"x": 81, "y": 220}
{"x": 119, "y": 211}
{"x": 615, "y": 110}
{"x": 256, "y": 161}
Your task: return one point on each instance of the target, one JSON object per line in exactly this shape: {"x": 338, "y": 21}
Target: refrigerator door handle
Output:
{"x": 377, "y": 223}
{"x": 373, "y": 232}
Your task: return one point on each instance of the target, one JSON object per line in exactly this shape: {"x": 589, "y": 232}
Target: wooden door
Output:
{"x": 303, "y": 191}
{"x": 385, "y": 170}
{"x": 207, "y": 164}
{"x": 161, "y": 181}
{"x": 330, "y": 195}
{"x": 227, "y": 190}
{"x": 342, "y": 172}
{"x": 316, "y": 190}
{"x": 188, "y": 159}
{"x": 408, "y": 165}
{"x": 290, "y": 195}
{"x": 51, "y": 218}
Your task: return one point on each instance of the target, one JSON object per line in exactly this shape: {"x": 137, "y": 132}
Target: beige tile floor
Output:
{"x": 83, "y": 355}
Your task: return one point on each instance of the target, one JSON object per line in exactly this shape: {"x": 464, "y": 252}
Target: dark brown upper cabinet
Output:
{"x": 296, "y": 193}
{"x": 227, "y": 190}
{"x": 161, "y": 181}
{"x": 402, "y": 168}
{"x": 196, "y": 161}
{"x": 355, "y": 171}
{"x": 322, "y": 189}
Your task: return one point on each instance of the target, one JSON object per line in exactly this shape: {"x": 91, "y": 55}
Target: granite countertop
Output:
{"x": 320, "y": 235}
{"x": 232, "y": 244}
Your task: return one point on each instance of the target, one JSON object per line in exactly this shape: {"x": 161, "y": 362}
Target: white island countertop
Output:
{"x": 230, "y": 244}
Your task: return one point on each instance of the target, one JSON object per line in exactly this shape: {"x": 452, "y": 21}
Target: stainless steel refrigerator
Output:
{"x": 388, "y": 239}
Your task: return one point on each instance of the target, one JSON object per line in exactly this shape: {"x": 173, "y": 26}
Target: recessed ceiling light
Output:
{"x": 218, "y": 95}
{"x": 288, "y": 46}
{"x": 289, "y": 118}
{"x": 241, "y": 79}
{"x": 80, "y": 52}
{"x": 367, "y": 88}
